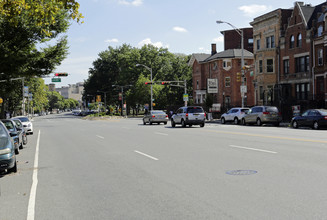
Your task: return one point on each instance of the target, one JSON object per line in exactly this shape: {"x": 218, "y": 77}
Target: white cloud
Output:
{"x": 114, "y": 40}
{"x": 133, "y": 3}
{"x": 255, "y": 10}
{"x": 218, "y": 39}
{"x": 148, "y": 41}
{"x": 179, "y": 29}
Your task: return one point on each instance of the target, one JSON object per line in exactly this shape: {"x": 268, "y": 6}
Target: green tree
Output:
{"x": 56, "y": 101}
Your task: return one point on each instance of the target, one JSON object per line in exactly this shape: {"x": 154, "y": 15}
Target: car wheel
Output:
{"x": 14, "y": 169}
{"x": 236, "y": 120}
{"x": 277, "y": 124}
{"x": 315, "y": 125}
{"x": 190, "y": 125}
{"x": 295, "y": 124}
{"x": 165, "y": 123}
{"x": 21, "y": 145}
{"x": 243, "y": 121}
{"x": 259, "y": 122}
{"x": 202, "y": 125}
{"x": 183, "y": 124}
{"x": 173, "y": 124}
{"x": 144, "y": 123}
{"x": 17, "y": 150}
{"x": 223, "y": 121}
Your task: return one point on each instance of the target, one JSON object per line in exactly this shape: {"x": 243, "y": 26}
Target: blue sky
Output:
{"x": 182, "y": 26}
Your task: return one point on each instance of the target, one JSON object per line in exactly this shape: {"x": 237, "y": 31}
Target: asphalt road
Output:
{"x": 122, "y": 169}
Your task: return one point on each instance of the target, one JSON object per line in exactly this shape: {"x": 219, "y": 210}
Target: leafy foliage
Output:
{"x": 116, "y": 67}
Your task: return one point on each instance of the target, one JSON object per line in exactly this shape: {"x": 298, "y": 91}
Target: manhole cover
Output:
{"x": 241, "y": 172}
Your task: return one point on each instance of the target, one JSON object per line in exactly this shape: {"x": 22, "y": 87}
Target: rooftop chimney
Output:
{"x": 213, "y": 49}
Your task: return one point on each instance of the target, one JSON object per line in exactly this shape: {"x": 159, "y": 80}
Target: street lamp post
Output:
{"x": 240, "y": 32}
{"x": 150, "y": 69}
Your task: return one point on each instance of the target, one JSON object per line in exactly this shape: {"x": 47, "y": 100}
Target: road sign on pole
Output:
{"x": 55, "y": 80}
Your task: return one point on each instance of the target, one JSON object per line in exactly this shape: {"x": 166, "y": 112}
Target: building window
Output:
{"x": 302, "y": 91}
{"x": 320, "y": 29}
{"x": 260, "y": 66}
{"x": 299, "y": 40}
{"x": 258, "y": 44}
{"x": 302, "y": 64}
{"x": 227, "y": 64}
{"x": 197, "y": 84}
{"x": 320, "y": 57}
{"x": 286, "y": 67}
{"x": 292, "y": 42}
{"x": 270, "y": 42}
{"x": 250, "y": 42}
{"x": 227, "y": 81}
{"x": 270, "y": 65}
{"x": 227, "y": 101}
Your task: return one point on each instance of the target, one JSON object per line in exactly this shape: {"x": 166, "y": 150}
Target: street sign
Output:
{"x": 98, "y": 98}
{"x": 55, "y": 80}
{"x": 185, "y": 97}
{"x": 25, "y": 91}
{"x": 244, "y": 89}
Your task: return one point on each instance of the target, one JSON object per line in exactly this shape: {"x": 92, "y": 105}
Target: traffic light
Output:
{"x": 238, "y": 77}
{"x": 61, "y": 74}
{"x": 148, "y": 83}
{"x": 164, "y": 83}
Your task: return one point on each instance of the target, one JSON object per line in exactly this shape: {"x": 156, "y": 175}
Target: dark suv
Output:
{"x": 189, "y": 115}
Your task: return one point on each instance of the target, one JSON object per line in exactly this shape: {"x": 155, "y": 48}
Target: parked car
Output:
{"x": 262, "y": 115}
{"x": 155, "y": 116}
{"x": 16, "y": 135}
{"x": 189, "y": 115}
{"x": 20, "y": 127}
{"x": 315, "y": 118}
{"x": 234, "y": 115}
{"x": 28, "y": 125}
{"x": 7, "y": 151}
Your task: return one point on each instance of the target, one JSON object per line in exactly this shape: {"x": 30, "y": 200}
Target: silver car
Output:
{"x": 189, "y": 115}
{"x": 155, "y": 116}
{"x": 234, "y": 115}
{"x": 262, "y": 115}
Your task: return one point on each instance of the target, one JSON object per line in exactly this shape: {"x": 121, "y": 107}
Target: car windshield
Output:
{"x": 9, "y": 125}
{"x": 194, "y": 110}
{"x": 272, "y": 109}
{"x": 2, "y": 131}
{"x": 23, "y": 119}
{"x": 18, "y": 123}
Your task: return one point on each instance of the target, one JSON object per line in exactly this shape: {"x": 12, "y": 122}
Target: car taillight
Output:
{"x": 186, "y": 115}
{"x": 205, "y": 115}
{"x": 153, "y": 116}
{"x": 325, "y": 117}
{"x": 265, "y": 113}
{"x": 166, "y": 116}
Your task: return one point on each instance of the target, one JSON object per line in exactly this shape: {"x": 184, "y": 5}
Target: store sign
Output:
{"x": 212, "y": 85}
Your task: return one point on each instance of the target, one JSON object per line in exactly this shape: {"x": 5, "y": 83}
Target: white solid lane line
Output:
{"x": 146, "y": 155}
{"x": 161, "y": 133}
{"x": 31, "y": 202}
{"x": 255, "y": 149}
{"x": 100, "y": 136}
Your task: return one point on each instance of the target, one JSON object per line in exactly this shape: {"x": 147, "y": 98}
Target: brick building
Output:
{"x": 320, "y": 58}
{"x": 298, "y": 59}
{"x": 267, "y": 30}
{"x": 233, "y": 40}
